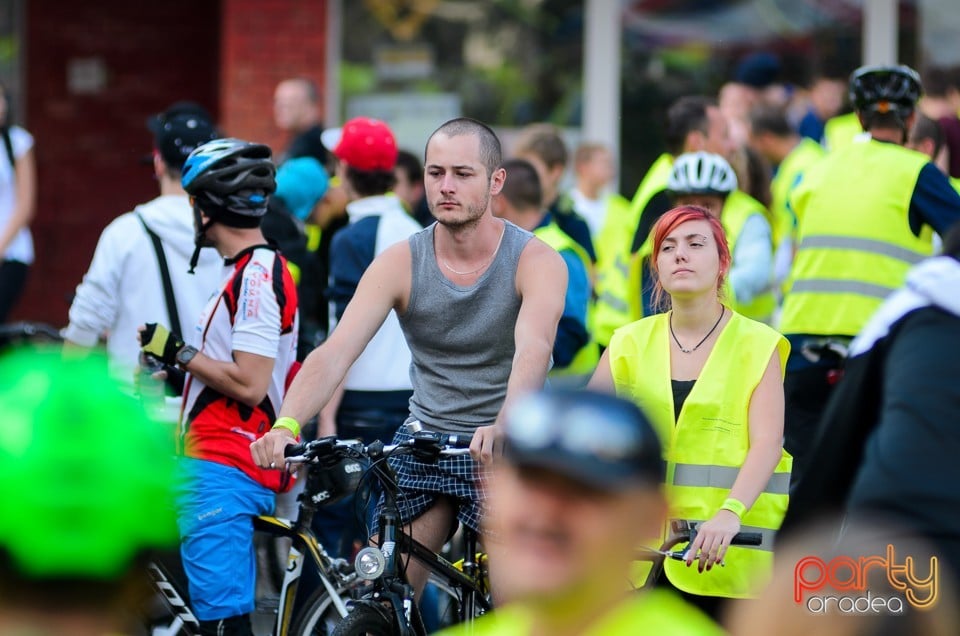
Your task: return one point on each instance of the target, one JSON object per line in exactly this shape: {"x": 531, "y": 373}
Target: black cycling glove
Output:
{"x": 159, "y": 342}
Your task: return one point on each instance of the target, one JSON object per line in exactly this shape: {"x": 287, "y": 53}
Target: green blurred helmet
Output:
{"x": 86, "y": 478}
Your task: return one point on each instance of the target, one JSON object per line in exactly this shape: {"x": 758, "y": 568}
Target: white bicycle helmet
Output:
{"x": 701, "y": 173}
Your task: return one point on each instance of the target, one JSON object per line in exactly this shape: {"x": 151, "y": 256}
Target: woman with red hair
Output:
{"x": 711, "y": 380}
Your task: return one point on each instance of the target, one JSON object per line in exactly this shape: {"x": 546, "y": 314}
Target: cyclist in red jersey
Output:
{"x": 235, "y": 381}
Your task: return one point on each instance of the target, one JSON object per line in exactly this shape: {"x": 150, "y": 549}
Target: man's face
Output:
{"x": 456, "y": 182}
{"x": 711, "y": 203}
{"x": 292, "y": 109}
{"x": 552, "y": 537}
{"x": 717, "y": 139}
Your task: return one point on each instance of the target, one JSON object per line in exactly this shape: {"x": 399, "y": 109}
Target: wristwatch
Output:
{"x": 185, "y": 355}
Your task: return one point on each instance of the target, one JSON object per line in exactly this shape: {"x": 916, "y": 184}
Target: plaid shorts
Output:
{"x": 420, "y": 483}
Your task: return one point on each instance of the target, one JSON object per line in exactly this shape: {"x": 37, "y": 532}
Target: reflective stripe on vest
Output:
{"x": 855, "y": 245}
{"x": 724, "y": 477}
{"x": 863, "y": 245}
{"x": 585, "y": 360}
{"x": 707, "y": 446}
{"x": 614, "y": 245}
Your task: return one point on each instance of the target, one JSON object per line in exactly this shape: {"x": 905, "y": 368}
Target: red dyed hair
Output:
{"x": 668, "y": 223}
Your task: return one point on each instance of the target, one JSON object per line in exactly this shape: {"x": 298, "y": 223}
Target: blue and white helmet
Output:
{"x": 230, "y": 175}
{"x": 702, "y": 173}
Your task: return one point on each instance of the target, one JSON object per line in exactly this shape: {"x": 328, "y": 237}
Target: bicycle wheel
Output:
{"x": 365, "y": 620}
{"x": 440, "y": 604}
{"x": 318, "y": 616}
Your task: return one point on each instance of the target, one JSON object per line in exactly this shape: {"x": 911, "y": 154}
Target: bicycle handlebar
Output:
{"x": 426, "y": 444}
{"x": 26, "y": 330}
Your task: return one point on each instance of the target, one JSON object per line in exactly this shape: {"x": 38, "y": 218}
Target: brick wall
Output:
{"x": 89, "y": 146}
{"x": 263, "y": 43}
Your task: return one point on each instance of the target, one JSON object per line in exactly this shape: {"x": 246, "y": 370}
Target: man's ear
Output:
{"x": 497, "y": 180}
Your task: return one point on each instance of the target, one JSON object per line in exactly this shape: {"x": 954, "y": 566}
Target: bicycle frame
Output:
{"x": 304, "y": 548}
{"x": 392, "y": 585}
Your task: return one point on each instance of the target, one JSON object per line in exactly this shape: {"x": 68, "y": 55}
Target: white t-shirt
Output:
{"x": 21, "y": 248}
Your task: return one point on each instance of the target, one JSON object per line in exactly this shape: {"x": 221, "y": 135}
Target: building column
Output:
{"x": 880, "y": 28}
{"x": 603, "y": 33}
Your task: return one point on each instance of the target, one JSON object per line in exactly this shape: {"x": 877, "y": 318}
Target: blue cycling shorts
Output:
{"x": 215, "y": 509}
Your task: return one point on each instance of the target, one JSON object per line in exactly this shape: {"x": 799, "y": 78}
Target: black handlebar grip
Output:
{"x": 747, "y": 538}
{"x": 295, "y": 450}
{"x": 458, "y": 440}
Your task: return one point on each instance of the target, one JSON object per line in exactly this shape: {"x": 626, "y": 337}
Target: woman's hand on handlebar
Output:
{"x": 713, "y": 539}
{"x": 487, "y": 443}
{"x": 267, "y": 451}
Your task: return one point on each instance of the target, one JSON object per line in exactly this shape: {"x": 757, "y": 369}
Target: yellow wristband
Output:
{"x": 733, "y": 505}
{"x": 293, "y": 426}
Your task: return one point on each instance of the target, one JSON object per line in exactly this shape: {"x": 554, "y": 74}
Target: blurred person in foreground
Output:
{"x": 578, "y": 489}
{"x": 87, "y": 483}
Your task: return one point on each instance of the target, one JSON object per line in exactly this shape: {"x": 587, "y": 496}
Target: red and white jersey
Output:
{"x": 255, "y": 312}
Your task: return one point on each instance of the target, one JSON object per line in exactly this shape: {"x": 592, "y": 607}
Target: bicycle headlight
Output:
{"x": 369, "y": 563}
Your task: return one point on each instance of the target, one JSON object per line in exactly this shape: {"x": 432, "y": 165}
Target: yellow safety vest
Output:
{"x": 955, "y": 182}
{"x": 854, "y": 240}
{"x": 651, "y": 612}
{"x": 706, "y": 447}
{"x": 614, "y": 254}
{"x": 840, "y": 131}
{"x": 789, "y": 172}
{"x": 738, "y": 207}
{"x": 585, "y": 361}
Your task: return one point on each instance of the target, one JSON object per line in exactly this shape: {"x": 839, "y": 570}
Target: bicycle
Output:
{"x": 299, "y": 611}
{"x": 26, "y": 331}
{"x": 387, "y": 605}
{"x": 681, "y": 532}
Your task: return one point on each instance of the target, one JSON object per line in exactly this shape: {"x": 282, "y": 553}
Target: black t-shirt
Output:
{"x": 308, "y": 144}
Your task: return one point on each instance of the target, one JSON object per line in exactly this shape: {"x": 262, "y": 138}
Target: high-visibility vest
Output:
{"x": 855, "y": 245}
{"x": 585, "y": 360}
{"x": 705, "y": 449}
{"x": 737, "y": 208}
{"x": 840, "y": 131}
{"x": 656, "y": 611}
{"x": 614, "y": 254}
{"x": 789, "y": 172}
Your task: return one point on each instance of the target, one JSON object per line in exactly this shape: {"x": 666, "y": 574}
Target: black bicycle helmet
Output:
{"x": 885, "y": 89}
{"x": 229, "y": 180}
{"x": 701, "y": 173}
{"x": 230, "y": 175}
{"x": 594, "y": 438}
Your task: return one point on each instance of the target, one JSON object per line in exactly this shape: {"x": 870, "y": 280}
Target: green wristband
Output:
{"x": 293, "y": 426}
{"x": 733, "y": 505}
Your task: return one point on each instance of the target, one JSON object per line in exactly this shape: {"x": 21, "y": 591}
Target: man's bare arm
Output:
{"x": 384, "y": 286}
{"x": 542, "y": 285}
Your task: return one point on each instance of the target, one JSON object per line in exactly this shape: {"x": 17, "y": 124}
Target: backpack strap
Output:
{"x": 9, "y": 146}
{"x": 172, "y": 312}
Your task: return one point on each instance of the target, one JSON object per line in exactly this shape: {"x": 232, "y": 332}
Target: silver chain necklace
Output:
{"x": 485, "y": 263}
{"x": 712, "y": 329}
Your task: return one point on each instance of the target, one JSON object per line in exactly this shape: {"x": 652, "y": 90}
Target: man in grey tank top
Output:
{"x": 478, "y": 300}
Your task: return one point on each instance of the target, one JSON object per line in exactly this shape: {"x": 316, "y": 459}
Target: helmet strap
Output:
{"x": 200, "y": 239}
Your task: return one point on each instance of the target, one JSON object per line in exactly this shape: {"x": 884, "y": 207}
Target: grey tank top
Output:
{"x": 461, "y": 338}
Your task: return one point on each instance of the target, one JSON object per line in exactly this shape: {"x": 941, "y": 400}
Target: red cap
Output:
{"x": 367, "y": 144}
